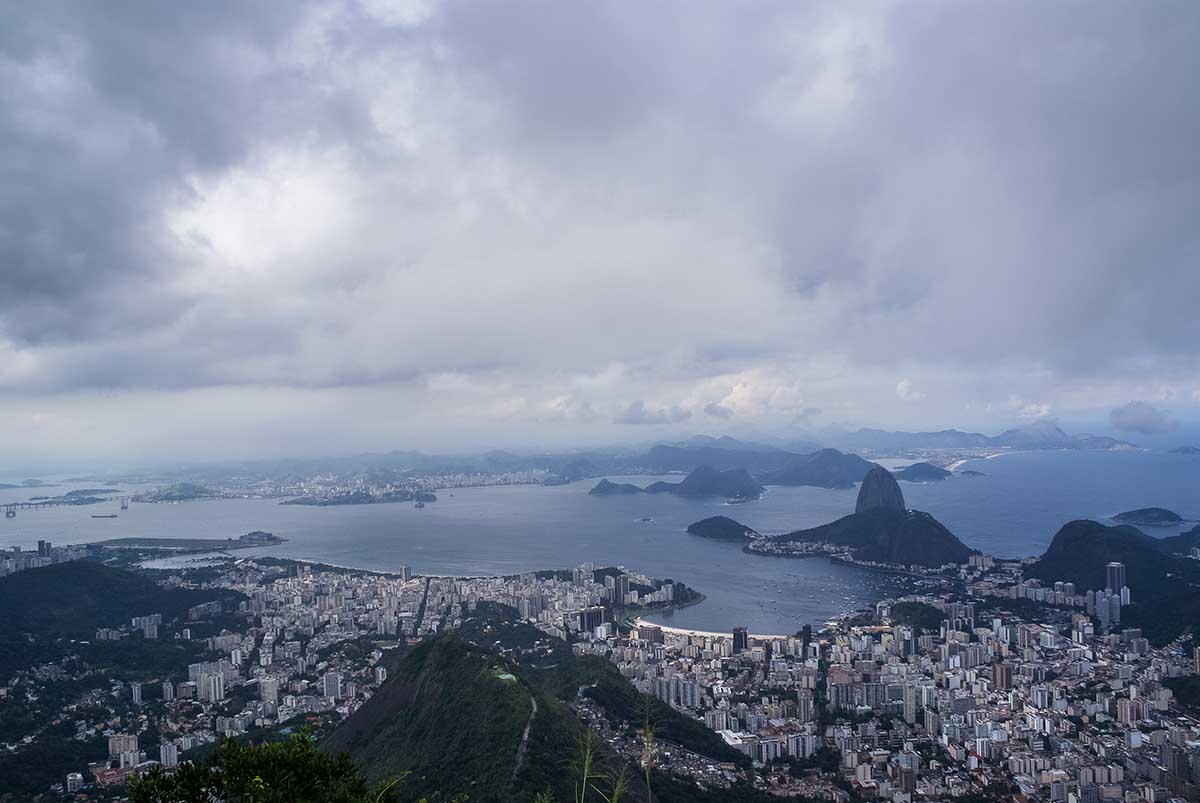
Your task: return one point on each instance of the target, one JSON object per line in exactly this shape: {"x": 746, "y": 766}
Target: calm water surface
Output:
{"x": 1013, "y": 511}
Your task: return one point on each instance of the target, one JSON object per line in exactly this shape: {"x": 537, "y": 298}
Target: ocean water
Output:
{"x": 1013, "y": 511}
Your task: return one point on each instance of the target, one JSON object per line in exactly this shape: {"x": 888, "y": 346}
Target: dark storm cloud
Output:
{"x": 1141, "y": 417}
{"x": 525, "y": 203}
{"x": 104, "y": 109}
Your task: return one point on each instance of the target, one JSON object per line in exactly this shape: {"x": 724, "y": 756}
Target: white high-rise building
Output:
{"x": 212, "y": 687}
{"x": 168, "y": 754}
{"x": 333, "y": 685}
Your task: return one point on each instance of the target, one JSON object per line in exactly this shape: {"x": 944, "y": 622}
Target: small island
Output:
{"x": 722, "y": 528}
{"x": 1150, "y": 517}
{"x": 922, "y": 472}
{"x": 1191, "y": 450}
{"x": 179, "y": 492}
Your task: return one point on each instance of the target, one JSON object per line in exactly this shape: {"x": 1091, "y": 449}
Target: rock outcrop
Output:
{"x": 879, "y": 490}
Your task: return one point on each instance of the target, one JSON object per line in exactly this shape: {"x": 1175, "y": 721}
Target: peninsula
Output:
{"x": 880, "y": 530}
{"x": 252, "y": 539}
{"x": 704, "y": 482}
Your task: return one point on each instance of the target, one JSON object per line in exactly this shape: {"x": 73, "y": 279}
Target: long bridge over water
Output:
{"x": 11, "y": 508}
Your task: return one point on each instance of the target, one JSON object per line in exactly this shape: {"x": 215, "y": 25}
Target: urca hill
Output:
{"x": 881, "y": 529}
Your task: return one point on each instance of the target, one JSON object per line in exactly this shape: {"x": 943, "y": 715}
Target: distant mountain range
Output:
{"x": 705, "y": 481}
{"x": 727, "y": 442}
{"x": 781, "y": 463}
{"x": 729, "y": 472}
{"x": 826, "y": 468}
{"x": 1039, "y": 435}
{"x": 1035, "y": 436}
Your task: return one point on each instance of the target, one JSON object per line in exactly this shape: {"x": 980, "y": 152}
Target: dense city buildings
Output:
{"x": 957, "y": 688}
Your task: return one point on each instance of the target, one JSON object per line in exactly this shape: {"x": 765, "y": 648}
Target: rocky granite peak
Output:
{"x": 879, "y": 490}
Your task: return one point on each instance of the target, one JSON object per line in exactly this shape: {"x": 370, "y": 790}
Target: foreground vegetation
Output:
{"x": 282, "y": 772}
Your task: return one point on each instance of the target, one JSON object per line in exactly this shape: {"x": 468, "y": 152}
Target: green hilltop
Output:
{"x": 451, "y": 721}
{"x": 48, "y": 608}
{"x": 1162, "y": 584}
{"x": 178, "y": 492}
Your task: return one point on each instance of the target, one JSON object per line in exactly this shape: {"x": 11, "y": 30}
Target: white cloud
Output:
{"x": 1034, "y": 411}
{"x": 906, "y": 392}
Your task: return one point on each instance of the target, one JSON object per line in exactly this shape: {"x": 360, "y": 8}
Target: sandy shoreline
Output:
{"x": 955, "y": 465}
{"x": 683, "y": 631}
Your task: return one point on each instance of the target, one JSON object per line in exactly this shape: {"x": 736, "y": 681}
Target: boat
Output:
{"x": 419, "y": 505}
{"x": 104, "y": 515}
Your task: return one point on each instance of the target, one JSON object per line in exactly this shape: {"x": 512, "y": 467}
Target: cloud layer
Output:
{"x": 1142, "y": 418}
{"x": 527, "y": 222}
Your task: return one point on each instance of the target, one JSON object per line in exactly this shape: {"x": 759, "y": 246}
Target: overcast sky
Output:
{"x": 236, "y": 229}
